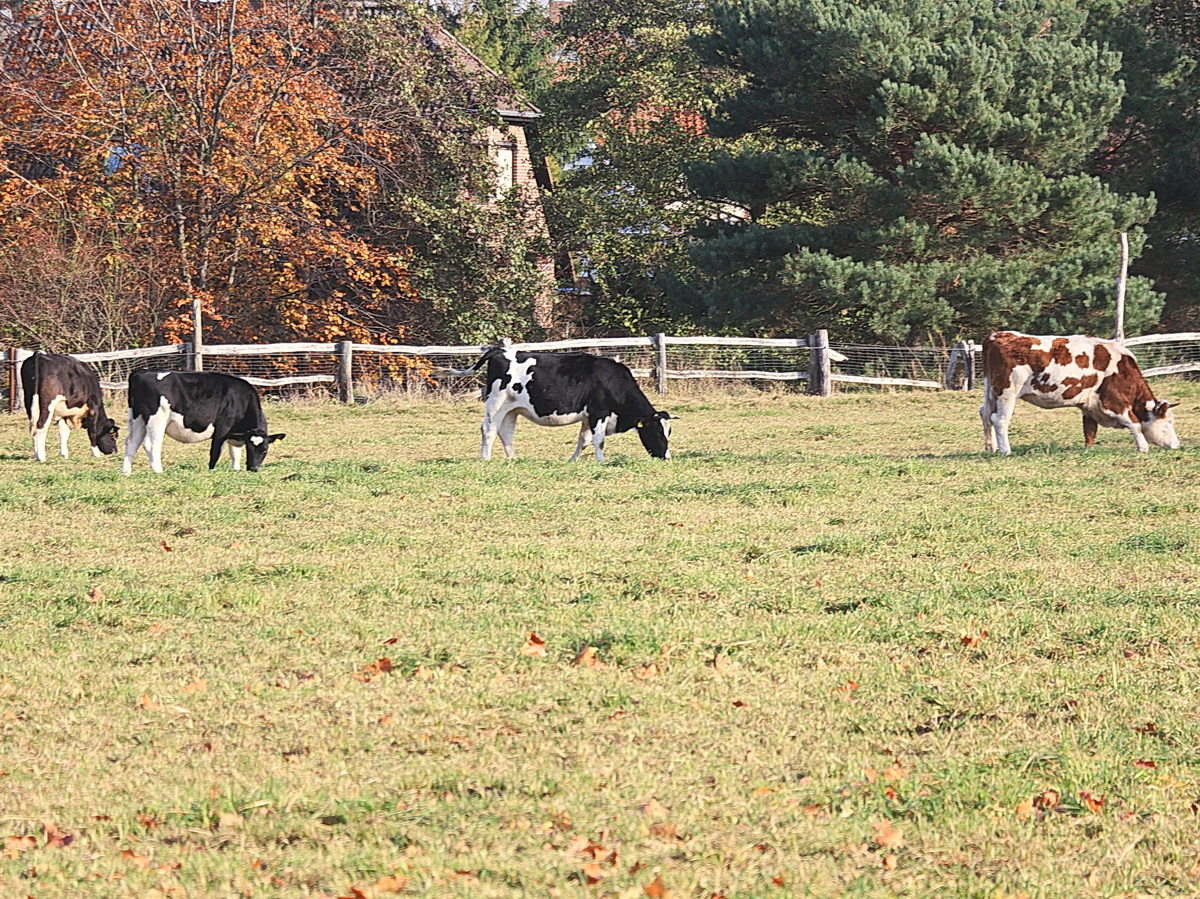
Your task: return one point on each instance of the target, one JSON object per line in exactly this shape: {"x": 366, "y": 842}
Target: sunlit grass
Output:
{"x": 820, "y": 620}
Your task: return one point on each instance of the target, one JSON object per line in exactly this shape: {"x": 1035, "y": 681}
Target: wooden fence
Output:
{"x": 349, "y": 369}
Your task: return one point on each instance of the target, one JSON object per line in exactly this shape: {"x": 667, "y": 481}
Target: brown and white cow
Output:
{"x": 1099, "y": 377}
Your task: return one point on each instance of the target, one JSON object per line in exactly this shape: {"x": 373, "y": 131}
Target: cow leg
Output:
{"x": 1005, "y": 404}
{"x": 235, "y": 455}
{"x": 39, "y": 442}
{"x": 1139, "y": 438}
{"x": 508, "y": 427}
{"x": 156, "y": 430}
{"x": 64, "y": 432}
{"x": 1089, "y": 431}
{"x": 598, "y": 435}
{"x": 136, "y": 433}
{"x": 214, "y": 451}
{"x": 585, "y": 437}
{"x": 985, "y": 413}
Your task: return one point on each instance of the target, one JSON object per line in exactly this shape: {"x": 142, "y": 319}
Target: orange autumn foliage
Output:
{"x": 215, "y": 139}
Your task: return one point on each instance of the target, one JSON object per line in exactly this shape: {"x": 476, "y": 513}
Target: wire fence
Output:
{"x": 366, "y": 370}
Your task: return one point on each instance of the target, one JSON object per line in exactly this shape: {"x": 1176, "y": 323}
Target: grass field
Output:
{"x": 828, "y": 649}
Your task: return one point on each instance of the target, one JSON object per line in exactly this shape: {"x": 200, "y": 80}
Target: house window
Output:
{"x": 504, "y": 170}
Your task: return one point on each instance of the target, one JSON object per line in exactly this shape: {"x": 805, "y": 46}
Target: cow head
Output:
{"x": 256, "y": 443}
{"x": 655, "y": 432}
{"x": 103, "y": 433}
{"x": 1158, "y": 427}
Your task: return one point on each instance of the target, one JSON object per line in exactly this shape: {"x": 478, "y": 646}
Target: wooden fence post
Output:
{"x": 660, "y": 362}
{"x": 16, "y": 402}
{"x": 11, "y": 358}
{"x": 819, "y": 369}
{"x": 345, "y": 374}
{"x": 971, "y": 364}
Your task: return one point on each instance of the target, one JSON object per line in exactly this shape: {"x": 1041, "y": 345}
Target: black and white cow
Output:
{"x": 61, "y": 389}
{"x": 562, "y": 389}
{"x": 195, "y": 406}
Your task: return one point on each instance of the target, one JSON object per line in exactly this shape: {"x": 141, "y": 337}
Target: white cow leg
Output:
{"x": 585, "y": 437}
{"x": 156, "y": 430}
{"x": 39, "y": 443}
{"x": 235, "y": 455}
{"x": 488, "y": 432}
{"x": 1005, "y": 406}
{"x": 64, "y": 431}
{"x": 133, "y": 439}
{"x": 598, "y": 435}
{"x": 1140, "y": 439}
{"x": 508, "y": 427}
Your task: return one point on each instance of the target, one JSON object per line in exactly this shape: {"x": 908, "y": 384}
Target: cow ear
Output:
{"x": 1170, "y": 405}
{"x": 271, "y": 438}
{"x": 668, "y": 416}
{"x": 111, "y": 429}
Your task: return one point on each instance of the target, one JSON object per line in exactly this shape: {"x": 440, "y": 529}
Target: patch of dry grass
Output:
{"x": 835, "y": 651}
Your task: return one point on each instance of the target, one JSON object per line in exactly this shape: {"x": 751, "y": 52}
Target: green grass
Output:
{"x": 843, "y": 652}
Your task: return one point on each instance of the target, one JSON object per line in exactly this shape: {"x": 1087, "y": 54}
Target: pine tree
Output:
{"x": 915, "y": 169}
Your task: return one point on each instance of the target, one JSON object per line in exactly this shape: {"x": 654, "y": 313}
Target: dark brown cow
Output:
{"x": 1099, "y": 377}
{"x": 61, "y": 389}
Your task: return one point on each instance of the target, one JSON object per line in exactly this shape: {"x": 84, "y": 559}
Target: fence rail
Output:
{"x": 349, "y": 369}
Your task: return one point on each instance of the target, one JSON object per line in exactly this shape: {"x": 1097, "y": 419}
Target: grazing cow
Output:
{"x": 562, "y": 389}
{"x": 1100, "y": 377}
{"x": 195, "y": 406}
{"x": 64, "y": 390}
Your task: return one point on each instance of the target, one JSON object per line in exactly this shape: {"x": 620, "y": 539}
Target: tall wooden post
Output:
{"x": 345, "y": 375}
{"x": 660, "y": 362}
{"x": 196, "y": 360}
{"x": 819, "y": 369}
{"x": 971, "y": 348}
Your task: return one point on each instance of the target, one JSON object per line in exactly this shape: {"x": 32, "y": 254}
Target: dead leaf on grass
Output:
{"x": 656, "y": 889}
{"x": 1091, "y": 800}
{"x": 15, "y": 845}
{"x": 646, "y": 671}
{"x": 139, "y": 861}
{"x": 196, "y": 686}
{"x": 1024, "y": 808}
{"x": 534, "y": 646}
{"x": 887, "y": 835}
{"x": 55, "y": 838}
{"x": 1047, "y": 799}
{"x": 589, "y": 657}
{"x": 972, "y": 640}
{"x": 1145, "y": 763}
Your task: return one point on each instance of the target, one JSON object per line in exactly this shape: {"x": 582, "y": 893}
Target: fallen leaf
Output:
{"x": 198, "y": 686}
{"x": 534, "y": 646}
{"x": 847, "y": 687}
{"x": 762, "y": 791}
{"x": 665, "y": 831}
{"x": 390, "y": 640}
{"x": 594, "y": 873}
{"x": 1047, "y": 799}
{"x": 887, "y": 836}
{"x": 646, "y": 671}
{"x": 656, "y": 889}
{"x": 1145, "y": 763}
{"x": 140, "y": 861}
{"x": 230, "y": 821}
{"x": 15, "y": 845}
{"x": 55, "y": 838}
{"x": 1024, "y": 808}
{"x": 589, "y": 657}
{"x": 972, "y": 640}
{"x": 386, "y": 719}
{"x": 391, "y": 884}
{"x": 1092, "y": 801}
{"x": 148, "y": 703}
{"x": 95, "y": 594}
{"x": 166, "y": 547}
{"x": 889, "y": 862}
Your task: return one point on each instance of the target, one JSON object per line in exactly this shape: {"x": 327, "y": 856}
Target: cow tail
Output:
{"x": 488, "y": 354}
